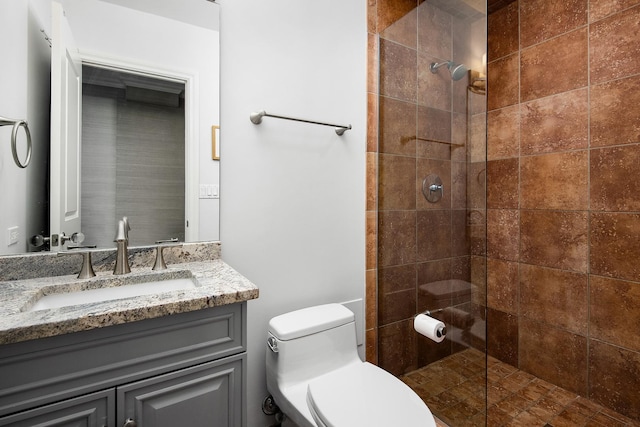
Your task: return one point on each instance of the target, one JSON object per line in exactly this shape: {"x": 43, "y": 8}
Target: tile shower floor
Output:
{"x": 454, "y": 389}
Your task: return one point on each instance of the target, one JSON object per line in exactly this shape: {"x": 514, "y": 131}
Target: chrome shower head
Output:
{"x": 457, "y": 71}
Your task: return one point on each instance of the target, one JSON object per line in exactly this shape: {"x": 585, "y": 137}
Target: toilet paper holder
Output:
{"x": 442, "y": 331}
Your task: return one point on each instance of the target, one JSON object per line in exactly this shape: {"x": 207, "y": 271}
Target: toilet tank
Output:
{"x": 307, "y": 343}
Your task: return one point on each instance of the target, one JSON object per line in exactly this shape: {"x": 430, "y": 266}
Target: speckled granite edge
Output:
{"x": 216, "y": 284}
{"x": 47, "y": 264}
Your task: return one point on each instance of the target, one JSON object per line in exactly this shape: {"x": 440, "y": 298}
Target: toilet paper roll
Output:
{"x": 429, "y": 327}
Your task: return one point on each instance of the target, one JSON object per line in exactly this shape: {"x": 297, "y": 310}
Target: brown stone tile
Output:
{"x": 434, "y": 90}
{"x": 569, "y": 418}
{"x": 403, "y": 30}
{"x": 497, "y": 417}
{"x": 527, "y": 419}
{"x": 615, "y": 247}
{"x": 502, "y": 336}
{"x": 372, "y": 346}
{"x": 546, "y": 408}
{"x": 503, "y": 237}
{"x": 615, "y": 178}
{"x": 503, "y": 133}
{"x": 397, "y": 347}
{"x": 458, "y": 185}
{"x": 372, "y": 16}
{"x": 614, "y": 46}
{"x": 434, "y": 124}
{"x": 602, "y": 420}
{"x": 398, "y": 71}
{"x": 541, "y": 20}
{"x": 434, "y": 31}
{"x": 433, "y": 271}
{"x": 614, "y": 112}
{"x": 554, "y": 239}
{"x": 389, "y": 11}
{"x": 459, "y": 233}
{"x": 371, "y": 300}
{"x": 555, "y": 123}
{"x": 426, "y": 167}
{"x": 503, "y": 32}
{"x": 476, "y": 187}
{"x": 458, "y": 152}
{"x": 553, "y": 355}
{"x": 603, "y": 8}
{"x": 372, "y": 63}
{"x": 555, "y": 66}
{"x": 503, "y": 82}
{"x": 396, "y": 278}
{"x": 615, "y": 311}
{"x": 477, "y": 146}
{"x": 562, "y": 396}
{"x": 555, "y": 297}
{"x": 569, "y": 173}
{"x": 503, "y": 183}
{"x": 434, "y": 234}
{"x": 372, "y": 123}
{"x": 615, "y": 378}
{"x": 396, "y": 182}
{"x": 396, "y": 306}
{"x": 502, "y": 285}
{"x": 372, "y": 181}
{"x": 371, "y": 239}
{"x": 397, "y": 127}
{"x": 396, "y": 237}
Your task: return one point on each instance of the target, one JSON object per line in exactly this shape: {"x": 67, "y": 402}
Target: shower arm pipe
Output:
{"x": 256, "y": 118}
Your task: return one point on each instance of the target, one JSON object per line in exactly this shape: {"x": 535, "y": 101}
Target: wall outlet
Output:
{"x": 13, "y": 235}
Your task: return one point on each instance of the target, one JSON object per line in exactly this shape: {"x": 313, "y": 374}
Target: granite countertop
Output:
{"x": 216, "y": 284}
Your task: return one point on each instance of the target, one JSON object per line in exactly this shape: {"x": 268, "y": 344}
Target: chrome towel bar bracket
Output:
{"x": 256, "y": 119}
{"x": 17, "y": 124}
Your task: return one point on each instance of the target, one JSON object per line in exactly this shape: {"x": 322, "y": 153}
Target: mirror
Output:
{"x": 176, "y": 43}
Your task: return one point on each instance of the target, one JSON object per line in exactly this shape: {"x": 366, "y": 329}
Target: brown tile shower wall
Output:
{"x": 563, "y": 195}
{"x": 417, "y": 126}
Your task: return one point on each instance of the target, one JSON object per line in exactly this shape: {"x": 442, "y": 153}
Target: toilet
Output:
{"x": 317, "y": 379}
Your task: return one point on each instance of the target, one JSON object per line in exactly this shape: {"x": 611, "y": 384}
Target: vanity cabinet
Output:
{"x": 183, "y": 369}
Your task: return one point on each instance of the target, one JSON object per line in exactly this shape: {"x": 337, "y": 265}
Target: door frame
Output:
{"x": 191, "y": 135}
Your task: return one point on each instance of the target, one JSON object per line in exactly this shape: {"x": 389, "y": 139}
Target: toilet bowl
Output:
{"x": 317, "y": 379}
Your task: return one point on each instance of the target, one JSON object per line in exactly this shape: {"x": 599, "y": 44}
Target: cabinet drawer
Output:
{"x": 92, "y": 410}
{"x": 43, "y": 371}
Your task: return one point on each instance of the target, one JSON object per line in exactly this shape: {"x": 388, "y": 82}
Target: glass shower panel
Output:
{"x": 432, "y": 204}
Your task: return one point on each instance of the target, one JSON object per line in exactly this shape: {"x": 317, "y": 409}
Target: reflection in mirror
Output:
{"x": 181, "y": 47}
{"x": 133, "y": 156}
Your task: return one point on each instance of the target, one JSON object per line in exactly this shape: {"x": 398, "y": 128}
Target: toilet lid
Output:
{"x": 362, "y": 394}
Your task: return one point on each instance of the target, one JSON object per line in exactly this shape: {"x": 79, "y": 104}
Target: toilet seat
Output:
{"x": 362, "y": 394}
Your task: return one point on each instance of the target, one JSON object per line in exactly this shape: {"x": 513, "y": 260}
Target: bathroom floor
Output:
{"x": 454, "y": 389}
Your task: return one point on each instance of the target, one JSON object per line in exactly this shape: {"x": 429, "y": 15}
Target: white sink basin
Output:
{"x": 88, "y": 296}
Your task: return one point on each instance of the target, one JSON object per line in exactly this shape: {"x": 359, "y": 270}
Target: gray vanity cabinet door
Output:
{"x": 207, "y": 395}
{"x": 91, "y": 410}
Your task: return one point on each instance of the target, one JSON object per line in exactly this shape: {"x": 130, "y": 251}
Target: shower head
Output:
{"x": 457, "y": 71}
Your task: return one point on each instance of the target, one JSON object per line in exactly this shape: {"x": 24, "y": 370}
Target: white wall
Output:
{"x": 24, "y": 86}
{"x": 293, "y": 195}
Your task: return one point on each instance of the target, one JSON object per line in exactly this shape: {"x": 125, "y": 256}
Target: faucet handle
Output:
{"x": 162, "y": 244}
{"x": 86, "y": 271}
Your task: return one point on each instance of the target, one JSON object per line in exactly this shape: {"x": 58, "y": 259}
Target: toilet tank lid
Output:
{"x": 309, "y": 321}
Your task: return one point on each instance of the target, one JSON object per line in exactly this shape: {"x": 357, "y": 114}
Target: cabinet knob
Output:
{"x": 130, "y": 423}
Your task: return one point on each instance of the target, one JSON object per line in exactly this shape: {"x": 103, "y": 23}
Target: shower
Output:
{"x": 457, "y": 71}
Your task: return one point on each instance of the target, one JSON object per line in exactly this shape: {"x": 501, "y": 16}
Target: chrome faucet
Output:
{"x": 122, "y": 251}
